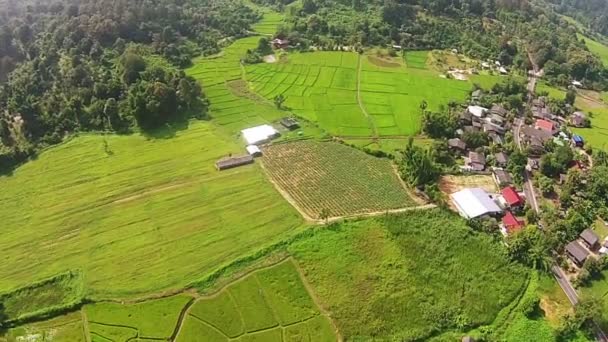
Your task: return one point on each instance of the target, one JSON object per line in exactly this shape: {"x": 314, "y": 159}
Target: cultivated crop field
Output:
{"x": 152, "y": 215}
{"x": 409, "y": 276}
{"x": 333, "y": 177}
{"x": 349, "y": 95}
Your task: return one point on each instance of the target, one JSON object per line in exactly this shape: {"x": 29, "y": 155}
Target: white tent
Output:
{"x": 474, "y": 202}
{"x": 477, "y": 111}
{"x": 259, "y": 134}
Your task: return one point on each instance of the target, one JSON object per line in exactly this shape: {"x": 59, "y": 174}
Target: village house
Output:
{"x": 496, "y": 138}
{"x": 476, "y": 161}
{"x": 511, "y": 224}
{"x": 496, "y": 119}
{"x": 576, "y": 253}
{"x": 545, "y": 125}
{"x": 457, "y": 145}
{"x": 579, "y": 119}
{"x": 477, "y": 111}
{"x": 279, "y": 43}
{"x": 501, "y": 177}
{"x": 231, "y": 162}
{"x": 492, "y": 128}
{"x": 501, "y": 159}
{"x": 474, "y": 202}
{"x": 498, "y": 110}
{"x": 512, "y": 197}
{"x": 466, "y": 118}
{"x": 476, "y": 95}
{"x": 590, "y": 239}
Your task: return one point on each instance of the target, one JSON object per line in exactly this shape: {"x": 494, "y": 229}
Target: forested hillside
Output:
{"x": 504, "y": 30}
{"x": 592, "y": 13}
{"x": 102, "y": 65}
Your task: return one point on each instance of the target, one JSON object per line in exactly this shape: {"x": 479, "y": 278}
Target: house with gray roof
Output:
{"x": 577, "y": 253}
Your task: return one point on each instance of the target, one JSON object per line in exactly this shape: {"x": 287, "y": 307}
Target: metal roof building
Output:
{"x": 259, "y": 134}
{"x": 474, "y": 202}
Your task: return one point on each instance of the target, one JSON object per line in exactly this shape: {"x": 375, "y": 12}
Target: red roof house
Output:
{"x": 512, "y": 224}
{"x": 512, "y": 197}
{"x": 544, "y": 125}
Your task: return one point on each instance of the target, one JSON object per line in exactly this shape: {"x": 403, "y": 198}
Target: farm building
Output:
{"x": 457, "y": 144}
{"x": 511, "y": 223}
{"x": 476, "y": 95}
{"x": 512, "y": 198}
{"x": 502, "y": 177}
{"x": 290, "y": 123}
{"x": 501, "y": 159}
{"x": 230, "y": 162}
{"x": 259, "y": 134}
{"x": 279, "y": 43}
{"x": 477, "y": 111}
{"x": 590, "y": 239}
{"x": 474, "y": 202}
{"x": 576, "y": 253}
{"x": 476, "y": 161}
{"x": 577, "y": 140}
{"x": 253, "y": 150}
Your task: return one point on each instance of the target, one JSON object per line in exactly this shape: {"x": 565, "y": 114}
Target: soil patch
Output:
{"x": 381, "y": 62}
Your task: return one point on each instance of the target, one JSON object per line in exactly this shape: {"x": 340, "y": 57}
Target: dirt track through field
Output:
{"x": 369, "y": 118}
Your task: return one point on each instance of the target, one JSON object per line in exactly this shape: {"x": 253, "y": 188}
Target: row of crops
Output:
{"x": 335, "y": 178}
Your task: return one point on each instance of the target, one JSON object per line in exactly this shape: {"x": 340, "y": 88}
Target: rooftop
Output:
{"x": 501, "y": 157}
{"x": 511, "y": 222}
{"x": 577, "y": 251}
{"x": 503, "y": 177}
{"x": 511, "y": 196}
{"x": 474, "y": 202}
{"x": 477, "y": 158}
{"x": 477, "y": 111}
{"x": 258, "y": 134}
{"x": 590, "y": 237}
{"x": 544, "y": 125}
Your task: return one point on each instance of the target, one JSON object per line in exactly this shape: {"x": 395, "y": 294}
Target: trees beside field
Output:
{"x": 102, "y": 65}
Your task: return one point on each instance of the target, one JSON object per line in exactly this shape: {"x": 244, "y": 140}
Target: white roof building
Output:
{"x": 474, "y": 202}
{"x": 503, "y": 70}
{"x": 477, "y": 111}
{"x": 253, "y": 150}
{"x": 577, "y": 83}
{"x": 259, "y": 134}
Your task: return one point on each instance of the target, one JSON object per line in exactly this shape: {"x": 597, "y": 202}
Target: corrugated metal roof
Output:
{"x": 474, "y": 202}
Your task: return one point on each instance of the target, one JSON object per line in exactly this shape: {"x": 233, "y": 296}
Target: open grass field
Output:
{"x": 66, "y": 328}
{"x": 333, "y": 88}
{"x": 153, "y": 215}
{"x": 334, "y": 177}
{"x": 408, "y": 276}
{"x": 264, "y": 306}
{"x": 417, "y": 59}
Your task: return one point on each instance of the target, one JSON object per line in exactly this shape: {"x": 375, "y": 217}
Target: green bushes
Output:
{"x": 43, "y": 299}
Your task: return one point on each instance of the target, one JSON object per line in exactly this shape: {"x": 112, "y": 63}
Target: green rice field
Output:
{"x": 349, "y": 95}
{"x": 313, "y": 174}
{"x": 152, "y": 215}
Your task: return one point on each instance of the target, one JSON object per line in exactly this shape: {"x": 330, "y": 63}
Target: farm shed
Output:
{"x": 576, "y": 253}
{"x": 259, "y": 134}
{"x": 230, "y": 162}
{"x": 474, "y": 202}
{"x": 590, "y": 239}
{"x": 279, "y": 43}
{"x": 290, "y": 123}
{"x": 512, "y": 197}
{"x": 253, "y": 150}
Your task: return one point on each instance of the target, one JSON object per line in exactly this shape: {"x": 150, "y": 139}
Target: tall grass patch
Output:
{"x": 408, "y": 276}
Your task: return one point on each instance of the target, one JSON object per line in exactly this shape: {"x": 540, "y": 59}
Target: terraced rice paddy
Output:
{"x": 335, "y": 178}
{"x": 349, "y": 95}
